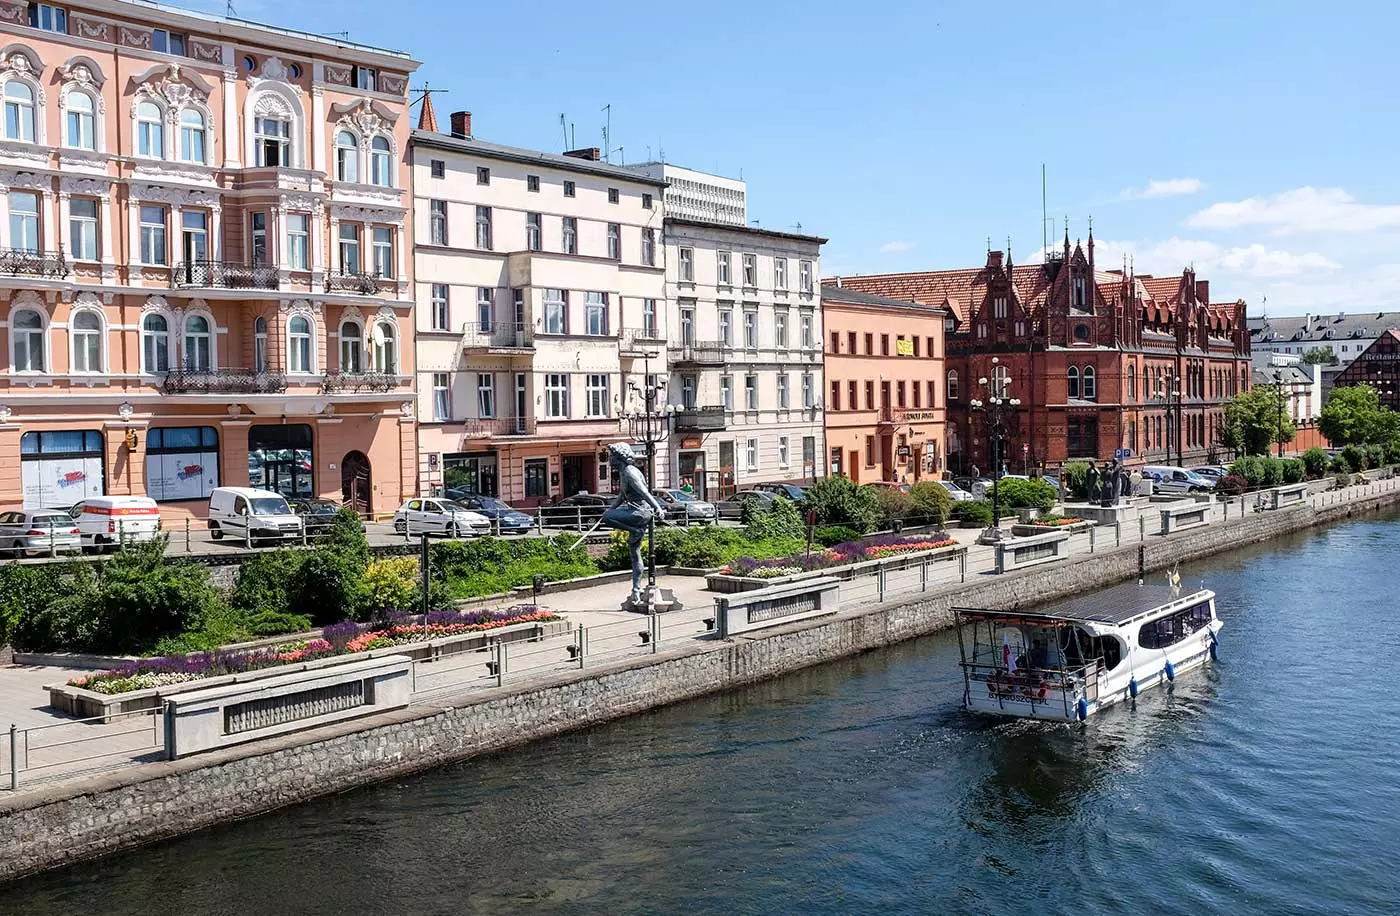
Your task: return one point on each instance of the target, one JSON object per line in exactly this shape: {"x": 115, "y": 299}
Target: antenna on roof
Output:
{"x": 1044, "y": 217}
{"x": 229, "y": 11}
{"x": 564, "y": 126}
{"x": 607, "y": 130}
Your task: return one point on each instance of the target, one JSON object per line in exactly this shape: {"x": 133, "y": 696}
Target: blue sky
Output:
{"x": 1255, "y": 140}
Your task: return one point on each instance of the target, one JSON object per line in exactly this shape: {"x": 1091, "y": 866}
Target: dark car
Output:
{"x": 317, "y": 514}
{"x": 789, "y": 490}
{"x": 504, "y": 518}
{"x": 579, "y": 511}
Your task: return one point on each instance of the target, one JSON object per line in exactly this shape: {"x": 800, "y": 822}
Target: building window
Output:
{"x": 534, "y": 236}
{"x": 687, "y": 265}
{"x": 272, "y": 140}
{"x": 27, "y": 341}
{"x": 751, "y": 392}
{"x": 81, "y": 127}
{"x": 299, "y": 241}
{"x": 780, "y": 335}
{"x": 899, "y": 394}
{"x": 597, "y": 396}
{"x": 915, "y": 391}
{"x": 532, "y": 183}
{"x": 483, "y": 175}
{"x": 595, "y": 310}
{"x": 483, "y": 228}
{"x": 784, "y": 400}
{"x": 833, "y": 401}
{"x": 1072, "y": 380}
{"x": 1082, "y": 435}
{"x": 82, "y": 228}
{"x": 568, "y": 189}
{"x": 556, "y": 395}
{"x": 167, "y": 42}
{"x": 386, "y": 350}
{"x": 780, "y": 273}
{"x": 352, "y": 348}
{"x": 751, "y": 330}
{"x": 687, "y": 326}
{"x": 485, "y": 307}
{"x": 952, "y": 386}
{"x": 649, "y": 247}
{"x": 61, "y": 467}
{"x": 349, "y": 248}
{"x": 869, "y": 395}
{"x": 299, "y": 345}
{"x": 870, "y": 451}
{"x": 19, "y": 111}
{"x": 437, "y": 168}
{"x": 150, "y": 130}
{"x": 152, "y": 233}
{"x": 442, "y": 397}
{"x": 649, "y": 329}
{"x": 783, "y": 455}
{"x": 536, "y": 478}
{"x": 48, "y": 17}
{"x": 570, "y": 245}
{"x": 751, "y": 454}
{"x": 614, "y": 241}
{"x": 258, "y": 236}
{"x": 809, "y": 392}
{"x": 726, "y": 392}
{"x": 485, "y": 395}
{"x": 851, "y": 402}
{"x": 722, "y": 276}
{"x": 381, "y": 162}
{"x": 884, "y": 345}
{"x": 556, "y": 311}
{"x": 809, "y": 455}
{"x": 1090, "y": 391}
{"x": 437, "y": 222}
{"x": 726, "y": 327}
{"x": 808, "y": 342}
{"x": 750, "y": 271}
{"x": 688, "y": 385}
{"x": 613, "y": 195}
{"x": 1020, "y": 329}
{"x": 347, "y": 157}
{"x": 155, "y": 344}
{"x": 182, "y": 462}
{"x": 85, "y": 329}
{"x": 932, "y": 388}
{"x": 646, "y": 201}
{"x": 999, "y": 309}
{"x": 366, "y": 78}
{"x": 1077, "y": 292}
{"x": 260, "y": 344}
{"x": 198, "y": 344}
{"x": 439, "y": 307}
{"x": 805, "y": 268}
{"x": 383, "y": 252}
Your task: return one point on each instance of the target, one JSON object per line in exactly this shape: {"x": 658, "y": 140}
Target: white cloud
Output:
{"x": 1306, "y": 209}
{"x": 896, "y": 247}
{"x": 1164, "y": 187}
{"x": 1168, "y": 257}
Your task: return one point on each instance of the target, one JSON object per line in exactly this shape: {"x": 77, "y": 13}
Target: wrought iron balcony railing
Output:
{"x": 498, "y": 335}
{"x": 701, "y": 353}
{"x": 352, "y": 282}
{"x": 338, "y": 380}
{"x": 17, "y": 262}
{"x": 700, "y": 419}
{"x": 223, "y": 380}
{"x": 224, "y": 275}
{"x": 489, "y": 427}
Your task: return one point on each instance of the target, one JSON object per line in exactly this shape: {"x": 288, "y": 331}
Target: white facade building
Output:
{"x": 542, "y": 308}
{"x": 700, "y": 196}
{"x": 1346, "y": 334}
{"x": 745, "y": 353}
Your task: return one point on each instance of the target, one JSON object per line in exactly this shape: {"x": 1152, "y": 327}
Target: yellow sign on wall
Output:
{"x": 903, "y": 347}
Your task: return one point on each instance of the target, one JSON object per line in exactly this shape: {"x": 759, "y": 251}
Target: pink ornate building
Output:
{"x": 205, "y": 272}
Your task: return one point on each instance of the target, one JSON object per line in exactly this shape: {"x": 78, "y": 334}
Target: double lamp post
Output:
{"x": 650, "y": 424}
{"x": 997, "y": 407}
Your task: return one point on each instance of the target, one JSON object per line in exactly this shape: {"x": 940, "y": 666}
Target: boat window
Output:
{"x": 1168, "y": 631}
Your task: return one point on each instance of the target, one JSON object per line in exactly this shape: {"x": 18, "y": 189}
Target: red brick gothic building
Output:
{"x": 1096, "y": 357}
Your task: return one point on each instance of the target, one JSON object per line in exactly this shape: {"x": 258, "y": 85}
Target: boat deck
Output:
{"x": 1115, "y": 605}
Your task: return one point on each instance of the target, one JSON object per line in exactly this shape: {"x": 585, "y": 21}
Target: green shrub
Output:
{"x": 895, "y": 505}
{"x": 488, "y": 566}
{"x": 1375, "y": 456}
{"x": 347, "y": 535}
{"x": 1273, "y": 471}
{"x": 265, "y": 582}
{"x": 931, "y": 502}
{"x": 831, "y": 535}
{"x": 1337, "y": 465}
{"x": 1073, "y": 479}
{"x": 1231, "y": 485}
{"x": 1354, "y": 457}
{"x": 392, "y": 584}
{"x": 781, "y": 520}
{"x": 1315, "y": 460}
{"x": 977, "y": 510}
{"x": 25, "y": 591}
{"x": 1293, "y": 470}
{"x": 1026, "y": 494}
{"x": 1341, "y": 481}
{"x": 841, "y": 501}
{"x": 1392, "y": 451}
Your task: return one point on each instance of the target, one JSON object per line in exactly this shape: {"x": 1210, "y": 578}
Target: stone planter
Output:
{"x": 89, "y": 704}
{"x": 730, "y": 584}
{"x": 1030, "y": 531}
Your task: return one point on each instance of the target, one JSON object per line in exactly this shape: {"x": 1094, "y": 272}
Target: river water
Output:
{"x": 1268, "y": 784}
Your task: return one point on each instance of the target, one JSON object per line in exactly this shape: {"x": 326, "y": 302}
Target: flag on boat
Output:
{"x": 1174, "y": 580}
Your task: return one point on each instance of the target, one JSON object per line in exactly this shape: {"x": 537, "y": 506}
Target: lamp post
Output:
{"x": 995, "y": 408}
{"x": 1172, "y": 398}
{"x": 1278, "y": 382}
{"x": 650, "y": 424}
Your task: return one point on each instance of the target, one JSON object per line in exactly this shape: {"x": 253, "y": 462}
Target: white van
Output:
{"x": 104, "y": 521}
{"x": 243, "y": 512}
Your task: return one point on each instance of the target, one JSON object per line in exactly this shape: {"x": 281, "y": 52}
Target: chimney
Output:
{"x": 994, "y": 259}
{"x": 462, "y": 124}
{"x": 1307, "y": 324}
{"x": 1203, "y": 291}
{"x": 838, "y": 282}
{"x": 591, "y": 153}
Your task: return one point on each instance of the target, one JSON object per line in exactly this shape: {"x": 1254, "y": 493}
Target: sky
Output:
{"x": 1255, "y": 141}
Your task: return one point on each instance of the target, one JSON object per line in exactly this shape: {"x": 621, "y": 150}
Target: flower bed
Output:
{"x": 150, "y": 673}
{"x": 746, "y": 573}
{"x": 1055, "y": 521}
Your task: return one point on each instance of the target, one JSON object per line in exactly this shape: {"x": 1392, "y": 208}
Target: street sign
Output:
{"x": 1122, "y": 453}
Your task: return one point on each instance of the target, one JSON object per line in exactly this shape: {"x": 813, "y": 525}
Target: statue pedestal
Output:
{"x": 654, "y": 600}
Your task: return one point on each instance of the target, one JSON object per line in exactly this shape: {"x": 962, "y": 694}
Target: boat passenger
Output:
{"x": 1040, "y": 658}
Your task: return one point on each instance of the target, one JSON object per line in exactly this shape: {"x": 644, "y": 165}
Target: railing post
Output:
{"x": 500, "y": 663}
{"x": 1118, "y": 533}
{"x": 581, "y": 642}
{"x": 1142, "y": 528}
{"x": 52, "y": 552}
{"x": 247, "y": 534}
{"x": 578, "y": 510}
{"x": 1091, "y": 540}
{"x": 654, "y": 624}
{"x": 923, "y": 575}
{"x": 187, "y": 534}
{"x": 14, "y": 757}
{"x": 962, "y": 565}
{"x": 880, "y": 580}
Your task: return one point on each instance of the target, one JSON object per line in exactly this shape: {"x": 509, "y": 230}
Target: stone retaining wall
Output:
{"x": 65, "y": 823}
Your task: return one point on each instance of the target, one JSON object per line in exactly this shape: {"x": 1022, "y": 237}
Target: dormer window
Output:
{"x": 365, "y": 78}
{"x": 999, "y": 308}
{"x": 49, "y": 18}
{"x": 167, "y": 42}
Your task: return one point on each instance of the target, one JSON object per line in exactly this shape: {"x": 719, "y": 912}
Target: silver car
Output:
{"x": 956, "y": 492}
{"x": 36, "y": 532}
{"x": 683, "y": 508}
{"x": 439, "y": 516}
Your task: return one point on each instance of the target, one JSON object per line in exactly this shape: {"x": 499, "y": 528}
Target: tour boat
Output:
{"x": 1071, "y": 659}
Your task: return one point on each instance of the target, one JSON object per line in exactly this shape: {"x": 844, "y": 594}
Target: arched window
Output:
{"x": 81, "y": 126}
{"x": 1090, "y": 384}
{"x": 386, "y": 356}
{"x": 272, "y": 141}
{"x": 1132, "y": 383}
{"x": 347, "y": 157}
{"x": 381, "y": 159}
{"x": 299, "y": 345}
{"x": 952, "y": 384}
{"x": 260, "y": 345}
{"x": 1072, "y": 377}
{"x": 19, "y": 112}
{"x": 192, "y": 136}
{"x": 86, "y": 330}
{"x": 27, "y": 341}
{"x": 198, "y": 344}
{"x": 155, "y": 344}
{"x": 150, "y": 135}
{"x": 352, "y": 347}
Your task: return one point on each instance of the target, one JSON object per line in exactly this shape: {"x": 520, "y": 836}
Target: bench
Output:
{"x": 1017, "y": 553}
{"x": 743, "y": 612}
{"x": 1179, "y": 518}
{"x": 1287, "y": 495}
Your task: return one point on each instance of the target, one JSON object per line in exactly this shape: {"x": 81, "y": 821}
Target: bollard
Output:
{"x": 1091, "y": 540}
{"x": 500, "y": 663}
{"x": 580, "y": 645}
{"x": 1118, "y": 533}
{"x": 187, "y": 534}
{"x": 880, "y": 580}
{"x": 923, "y": 576}
{"x": 52, "y": 552}
{"x": 247, "y": 534}
{"x": 1142, "y": 528}
{"x": 654, "y": 624}
{"x": 962, "y": 566}
{"x": 14, "y": 759}
{"x": 303, "y": 532}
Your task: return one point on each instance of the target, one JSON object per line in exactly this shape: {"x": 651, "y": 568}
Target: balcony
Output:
{"x": 223, "y": 381}
{"x": 498, "y": 335}
{"x": 337, "y": 380}
{"x": 497, "y": 427}
{"x": 640, "y": 342}
{"x": 22, "y": 262}
{"x": 352, "y": 282}
{"x": 699, "y": 420}
{"x": 702, "y": 353}
{"x": 224, "y": 275}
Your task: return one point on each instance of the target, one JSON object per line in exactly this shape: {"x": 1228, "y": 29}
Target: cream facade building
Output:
{"x": 204, "y": 275}
{"x": 542, "y": 316}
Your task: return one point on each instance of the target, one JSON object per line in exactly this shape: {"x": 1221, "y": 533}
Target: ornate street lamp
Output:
{"x": 996, "y": 407}
{"x": 650, "y": 424}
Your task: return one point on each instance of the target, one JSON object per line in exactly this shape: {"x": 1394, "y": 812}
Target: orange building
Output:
{"x": 204, "y": 265}
{"x": 885, "y": 410}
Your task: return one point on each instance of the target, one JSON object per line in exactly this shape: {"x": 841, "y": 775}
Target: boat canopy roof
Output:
{"x": 1115, "y": 606}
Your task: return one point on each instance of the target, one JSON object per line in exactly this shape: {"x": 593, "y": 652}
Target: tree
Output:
{"x": 1320, "y": 356}
{"x": 841, "y": 501}
{"x": 1354, "y": 416}
{"x": 1256, "y": 419}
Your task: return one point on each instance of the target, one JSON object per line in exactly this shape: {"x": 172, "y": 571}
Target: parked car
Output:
{"x": 579, "y": 511}
{"x": 506, "y": 518}
{"x": 977, "y": 486}
{"x": 956, "y": 492}
{"x": 682, "y": 507}
{"x": 733, "y": 507}
{"x": 245, "y": 512}
{"x": 889, "y": 484}
{"x": 437, "y": 515}
{"x": 791, "y": 491}
{"x": 1170, "y": 479}
{"x": 30, "y": 532}
{"x": 1053, "y": 481}
{"x": 317, "y": 514}
{"x": 107, "y": 520}
{"x": 1214, "y": 472}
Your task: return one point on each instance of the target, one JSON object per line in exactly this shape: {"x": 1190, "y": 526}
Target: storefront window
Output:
{"x": 182, "y": 462}
{"x": 61, "y": 467}
{"x": 469, "y": 475}
{"x": 536, "y": 478}
{"x": 280, "y": 459}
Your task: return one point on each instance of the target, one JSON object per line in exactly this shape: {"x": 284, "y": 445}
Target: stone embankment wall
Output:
{"x": 138, "y": 804}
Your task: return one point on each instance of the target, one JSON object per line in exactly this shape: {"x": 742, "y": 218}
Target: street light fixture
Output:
{"x": 995, "y": 407}
{"x": 650, "y": 424}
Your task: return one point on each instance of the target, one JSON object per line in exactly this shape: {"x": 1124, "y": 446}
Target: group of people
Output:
{"x": 1107, "y": 483}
